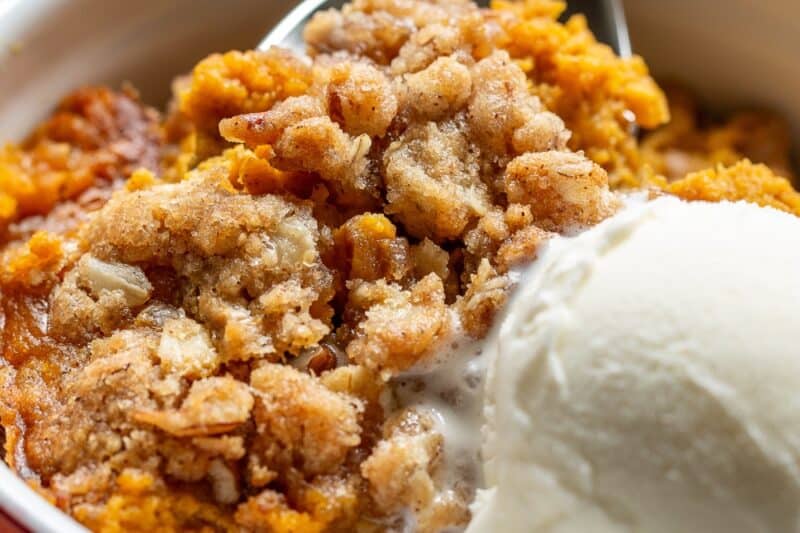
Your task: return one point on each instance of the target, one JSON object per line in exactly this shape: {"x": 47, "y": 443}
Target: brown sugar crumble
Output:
{"x": 204, "y": 314}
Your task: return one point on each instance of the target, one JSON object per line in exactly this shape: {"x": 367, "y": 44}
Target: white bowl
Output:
{"x": 734, "y": 52}
{"x": 49, "y": 47}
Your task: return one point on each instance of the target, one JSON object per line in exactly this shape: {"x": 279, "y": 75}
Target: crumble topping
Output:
{"x": 218, "y": 344}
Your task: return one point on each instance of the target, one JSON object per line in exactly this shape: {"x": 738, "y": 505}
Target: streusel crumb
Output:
{"x": 218, "y": 343}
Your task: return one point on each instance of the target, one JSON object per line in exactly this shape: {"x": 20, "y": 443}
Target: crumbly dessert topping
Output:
{"x": 216, "y": 344}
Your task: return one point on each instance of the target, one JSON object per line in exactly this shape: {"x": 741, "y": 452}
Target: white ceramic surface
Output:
{"x": 49, "y": 47}
{"x": 735, "y": 52}
{"x": 18, "y": 500}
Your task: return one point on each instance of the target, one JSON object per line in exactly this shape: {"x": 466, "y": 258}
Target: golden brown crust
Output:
{"x": 301, "y": 423}
{"x": 562, "y": 189}
{"x": 402, "y": 469}
{"x": 432, "y": 181}
{"x": 399, "y": 327}
{"x": 219, "y": 344}
{"x": 401, "y": 466}
{"x": 360, "y": 98}
{"x": 487, "y": 292}
{"x": 212, "y": 406}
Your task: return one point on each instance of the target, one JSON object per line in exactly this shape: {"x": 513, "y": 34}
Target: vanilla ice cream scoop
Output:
{"x": 647, "y": 379}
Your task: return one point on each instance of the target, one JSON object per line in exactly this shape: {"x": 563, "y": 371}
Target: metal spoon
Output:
{"x": 606, "y": 19}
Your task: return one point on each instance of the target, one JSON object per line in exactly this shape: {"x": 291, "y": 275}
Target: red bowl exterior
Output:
{"x": 9, "y": 525}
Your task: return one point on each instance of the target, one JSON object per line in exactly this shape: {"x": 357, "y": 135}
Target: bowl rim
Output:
{"x": 30, "y": 509}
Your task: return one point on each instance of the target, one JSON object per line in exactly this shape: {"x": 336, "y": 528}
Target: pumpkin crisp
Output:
{"x": 205, "y": 315}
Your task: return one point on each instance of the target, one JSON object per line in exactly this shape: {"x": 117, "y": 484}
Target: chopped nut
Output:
{"x": 102, "y": 276}
{"x": 214, "y": 405}
{"x": 185, "y": 348}
{"x": 430, "y": 258}
{"x": 223, "y": 482}
{"x": 227, "y": 446}
{"x": 318, "y": 359}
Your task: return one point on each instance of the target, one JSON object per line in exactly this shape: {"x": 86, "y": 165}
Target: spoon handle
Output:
{"x": 606, "y": 19}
